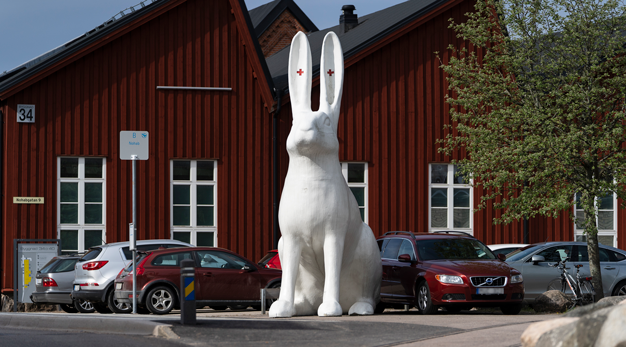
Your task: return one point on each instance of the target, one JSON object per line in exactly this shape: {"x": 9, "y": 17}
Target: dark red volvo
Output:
{"x": 450, "y": 269}
{"x": 222, "y": 279}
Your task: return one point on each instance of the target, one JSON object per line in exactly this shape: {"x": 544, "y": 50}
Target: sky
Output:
{"x": 29, "y": 28}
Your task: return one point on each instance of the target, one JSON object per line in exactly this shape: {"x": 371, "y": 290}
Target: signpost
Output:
{"x": 134, "y": 146}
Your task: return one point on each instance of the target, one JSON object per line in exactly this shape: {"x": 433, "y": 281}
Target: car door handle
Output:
{"x": 207, "y": 274}
{"x": 609, "y": 268}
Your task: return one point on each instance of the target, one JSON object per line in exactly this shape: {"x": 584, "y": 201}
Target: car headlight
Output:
{"x": 449, "y": 279}
{"x": 517, "y": 279}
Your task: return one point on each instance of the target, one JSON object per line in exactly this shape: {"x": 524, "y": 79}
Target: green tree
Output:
{"x": 537, "y": 95}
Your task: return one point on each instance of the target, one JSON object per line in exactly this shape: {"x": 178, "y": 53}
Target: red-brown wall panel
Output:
{"x": 82, "y": 107}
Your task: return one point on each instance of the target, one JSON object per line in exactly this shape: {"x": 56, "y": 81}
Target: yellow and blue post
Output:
{"x": 187, "y": 292}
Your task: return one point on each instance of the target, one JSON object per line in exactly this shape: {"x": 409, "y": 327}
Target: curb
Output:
{"x": 95, "y": 324}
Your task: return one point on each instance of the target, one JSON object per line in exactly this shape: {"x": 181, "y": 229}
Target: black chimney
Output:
{"x": 348, "y": 19}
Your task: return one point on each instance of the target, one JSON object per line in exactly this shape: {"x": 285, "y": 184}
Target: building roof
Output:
{"x": 36, "y": 65}
{"x": 120, "y": 19}
{"x": 371, "y": 29}
{"x": 263, "y": 16}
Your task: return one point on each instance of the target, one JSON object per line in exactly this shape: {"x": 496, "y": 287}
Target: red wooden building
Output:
{"x": 210, "y": 149}
{"x": 193, "y": 75}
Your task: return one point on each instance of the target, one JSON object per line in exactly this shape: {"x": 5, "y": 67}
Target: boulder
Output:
{"x": 609, "y": 301}
{"x": 552, "y": 301}
{"x": 534, "y": 331}
{"x": 7, "y": 306}
{"x": 613, "y": 332}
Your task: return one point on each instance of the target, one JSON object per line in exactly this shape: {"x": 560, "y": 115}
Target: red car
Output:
{"x": 449, "y": 269}
{"x": 222, "y": 278}
{"x": 270, "y": 260}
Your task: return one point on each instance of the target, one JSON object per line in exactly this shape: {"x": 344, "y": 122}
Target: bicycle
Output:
{"x": 581, "y": 287}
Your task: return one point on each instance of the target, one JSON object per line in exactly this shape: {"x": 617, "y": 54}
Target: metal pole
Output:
{"x": 134, "y": 158}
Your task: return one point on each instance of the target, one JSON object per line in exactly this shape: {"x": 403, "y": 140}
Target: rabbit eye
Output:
{"x": 327, "y": 122}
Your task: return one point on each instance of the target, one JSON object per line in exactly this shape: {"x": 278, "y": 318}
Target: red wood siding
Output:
{"x": 82, "y": 107}
{"x": 393, "y": 112}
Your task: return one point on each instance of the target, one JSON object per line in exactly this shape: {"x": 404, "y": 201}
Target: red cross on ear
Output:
{"x": 330, "y": 72}
{"x": 300, "y": 72}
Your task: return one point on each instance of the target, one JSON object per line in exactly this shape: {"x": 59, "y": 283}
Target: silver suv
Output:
{"x": 97, "y": 269}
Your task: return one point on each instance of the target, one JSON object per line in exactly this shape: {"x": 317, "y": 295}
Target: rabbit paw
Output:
{"x": 361, "y": 308}
{"x": 282, "y": 309}
{"x": 329, "y": 309}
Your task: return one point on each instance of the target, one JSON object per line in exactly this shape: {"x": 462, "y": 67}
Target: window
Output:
{"x": 450, "y": 199}
{"x": 606, "y": 220}
{"x": 194, "y": 194}
{"x": 172, "y": 259}
{"x": 356, "y": 177}
{"x": 81, "y": 207}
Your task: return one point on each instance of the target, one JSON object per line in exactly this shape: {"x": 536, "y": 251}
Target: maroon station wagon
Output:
{"x": 222, "y": 279}
{"x": 446, "y": 269}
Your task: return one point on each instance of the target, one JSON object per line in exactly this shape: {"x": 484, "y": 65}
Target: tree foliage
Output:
{"x": 538, "y": 98}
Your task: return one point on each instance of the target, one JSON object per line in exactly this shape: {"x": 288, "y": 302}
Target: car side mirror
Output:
{"x": 537, "y": 259}
{"x": 404, "y": 258}
{"x": 247, "y": 268}
{"x": 501, "y": 257}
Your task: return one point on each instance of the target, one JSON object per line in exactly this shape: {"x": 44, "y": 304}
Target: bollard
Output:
{"x": 187, "y": 292}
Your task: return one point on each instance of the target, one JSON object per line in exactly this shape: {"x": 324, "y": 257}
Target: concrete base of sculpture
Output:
{"x": 329, "y": 257}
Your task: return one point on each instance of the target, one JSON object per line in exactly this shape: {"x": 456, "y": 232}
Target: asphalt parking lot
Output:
{"x": 247, "y": 327}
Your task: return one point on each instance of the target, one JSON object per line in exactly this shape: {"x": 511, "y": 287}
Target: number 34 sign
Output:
{"x": 26, "y": 113}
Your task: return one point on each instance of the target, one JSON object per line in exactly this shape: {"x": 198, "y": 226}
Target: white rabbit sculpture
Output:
{"x": 329, "y": 256}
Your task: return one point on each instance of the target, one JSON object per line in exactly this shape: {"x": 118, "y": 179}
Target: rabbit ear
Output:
{"x": 300, "y": 73}
{"x": 331, "y": 73}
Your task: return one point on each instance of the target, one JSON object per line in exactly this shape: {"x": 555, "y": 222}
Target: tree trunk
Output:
{"x": 591, "y": 231}
{"x": 594, "y": 264}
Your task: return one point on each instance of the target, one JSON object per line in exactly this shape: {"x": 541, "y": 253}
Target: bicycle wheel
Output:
{"x": 557, "y": 284}
{"x": 587, "y": 292}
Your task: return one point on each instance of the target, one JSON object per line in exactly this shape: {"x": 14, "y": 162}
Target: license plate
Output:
{"x": 489, "y": 291}
{"x": 118, "y": 286}
{"x": 77, "y": 287}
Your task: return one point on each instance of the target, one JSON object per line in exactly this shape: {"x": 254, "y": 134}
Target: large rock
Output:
{"x": 534, "y": 331}
{"x": 582, "y": 333}
{"x": 552, "y": 301}
{"x": 609, "y": 301}
{"x": 7, "y": 306}
{"x": 613, "y": 332}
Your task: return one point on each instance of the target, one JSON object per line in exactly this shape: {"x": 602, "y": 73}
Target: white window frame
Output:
{"x": 81, "y": 180}
{"x": 344, "y": 172}
{"x": 450, "y": 186}
{"x": 604, "y": 232}
{"x": 193, "y": 200}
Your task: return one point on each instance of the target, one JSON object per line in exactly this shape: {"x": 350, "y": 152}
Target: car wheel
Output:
{"x": 424, "y": 302}
{"x": 101, "y": 308}
{"x": 380, "y": 308}
{"x": 68, "y": 308}
{"x": 269, "y": 302}
{"x": 620, "y": 289}
{"x": 116, "y": 306}
{"x": 83, "y": 306}
{"x": 511, "y": 309}
{"x": 160, "y": 300}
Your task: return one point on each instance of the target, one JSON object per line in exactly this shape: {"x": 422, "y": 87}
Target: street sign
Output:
{"x": 134, "y": 143}
{"x": 27, "y": 200}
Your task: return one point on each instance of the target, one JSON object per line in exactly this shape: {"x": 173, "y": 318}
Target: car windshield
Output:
{"x": 453, "y": 248}
{"x": 92, "y": 254}
{"x": 266, "y": 258}
{"x": 521, "y": 253}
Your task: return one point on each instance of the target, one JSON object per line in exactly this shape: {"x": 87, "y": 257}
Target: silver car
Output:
{"x": 53, "y": 285}
{"x": 97, "y": 269}
{"x": 538, "y": 274}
